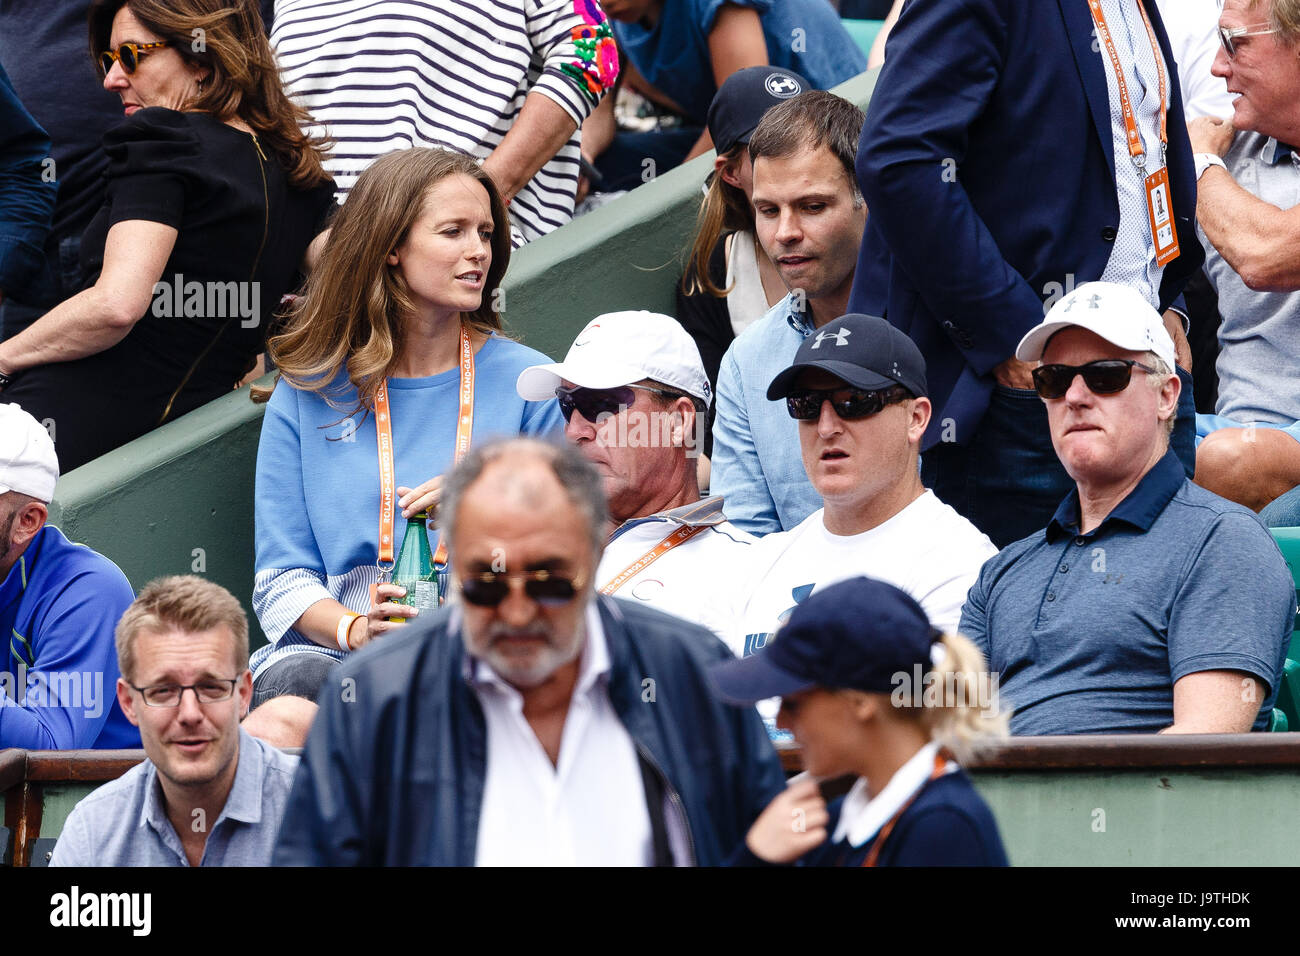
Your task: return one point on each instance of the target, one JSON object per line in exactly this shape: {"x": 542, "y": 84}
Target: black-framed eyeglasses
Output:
{"x": 1103, "y": 377}
{"x": 849, "y": 403}
{"x": 210, "y": 690}
{"x": 594, "y": 402}
{"x": 128, "y": 54}
{"x": 488, "y": 588}
{"x": 1229, "y": 36}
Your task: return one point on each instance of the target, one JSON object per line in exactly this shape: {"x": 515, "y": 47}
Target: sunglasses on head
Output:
{"x": 128, "y": 54}
{"x": 488, "y": 588}
{"x": 591, "y": 403}
{"x": 805, "y": 405}
{"x": 1103, "y": 377}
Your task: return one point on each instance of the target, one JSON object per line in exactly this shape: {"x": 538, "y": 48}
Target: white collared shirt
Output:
{"x": 588, "y": 809}
{"x": 700, "y": 580}
{"x": 862, "y": 816}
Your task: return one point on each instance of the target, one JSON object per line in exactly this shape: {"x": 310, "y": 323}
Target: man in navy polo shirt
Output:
{"x": 1148, "y": 603}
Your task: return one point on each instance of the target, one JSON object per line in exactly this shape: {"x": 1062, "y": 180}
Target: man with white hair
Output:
{"x": 532, "y": 722}
{"x": 635, "y": 396}
{"x": 1148, "y": 603}
{"x": 59, "y": 603}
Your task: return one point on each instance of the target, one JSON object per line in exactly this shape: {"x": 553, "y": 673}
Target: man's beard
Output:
{"x": 526, "y": 671}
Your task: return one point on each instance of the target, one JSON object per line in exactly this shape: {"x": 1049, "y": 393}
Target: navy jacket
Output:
{"x": 948, "y": 824}
{"x": 393, "y": 770}
{"x": 987, "y": 164}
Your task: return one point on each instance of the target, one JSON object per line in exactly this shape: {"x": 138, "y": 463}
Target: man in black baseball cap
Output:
{"x": 847, "y": 666}
{"x": 857, "y": 390}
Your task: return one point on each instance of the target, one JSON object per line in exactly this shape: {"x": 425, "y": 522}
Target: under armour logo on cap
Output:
{"x": 841, "y": 337}
{"x": 782, "y": 86}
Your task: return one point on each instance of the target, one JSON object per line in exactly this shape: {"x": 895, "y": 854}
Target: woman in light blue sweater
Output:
{"x": 391, "y": 364}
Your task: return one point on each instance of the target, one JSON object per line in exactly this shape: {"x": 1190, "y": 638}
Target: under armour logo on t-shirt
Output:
{"x": 841, "y": 337}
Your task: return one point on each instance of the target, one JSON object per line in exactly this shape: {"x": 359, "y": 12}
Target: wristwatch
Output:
{"x": 5, "y": 380}
{"x": 1205, "y": 160}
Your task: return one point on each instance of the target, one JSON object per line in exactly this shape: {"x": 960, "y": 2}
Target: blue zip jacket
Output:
{"x": 59, "y": 605}
{"x": 394, "y": 768}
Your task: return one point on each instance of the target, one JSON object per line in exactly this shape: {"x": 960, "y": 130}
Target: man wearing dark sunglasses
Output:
{"x": 634, "y": 395}
{"x": 533, "y": 722}
{"x": 1147, "y": 604}
{"x": 857, "y": 392}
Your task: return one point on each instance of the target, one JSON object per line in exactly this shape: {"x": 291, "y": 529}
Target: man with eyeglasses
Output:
{"x": 635, "y": 397}
{"x": 857, "y": 391}
{"x": 1248, "y": 211}
{"x": 208, "y": 794}
{"x": 531, "y": 722}
{"x": 1147, "y": 603}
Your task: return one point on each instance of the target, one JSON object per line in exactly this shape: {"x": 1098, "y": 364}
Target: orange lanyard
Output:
{"x": 387, "y": 480}
{"x": 1135, "y": 147}
{"x": 940, "y": 761}
{"x": 680, "y": 536}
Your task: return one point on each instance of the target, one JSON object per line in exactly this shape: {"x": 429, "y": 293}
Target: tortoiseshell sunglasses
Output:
{"x": 128, "y": 54}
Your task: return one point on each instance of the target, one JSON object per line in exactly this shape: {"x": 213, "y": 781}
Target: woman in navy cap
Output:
{"x": 869, "y": 688}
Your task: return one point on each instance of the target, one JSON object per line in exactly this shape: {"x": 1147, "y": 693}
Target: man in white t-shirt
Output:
{"x": 857, "y": 388}
{"x": 635, "y": 397}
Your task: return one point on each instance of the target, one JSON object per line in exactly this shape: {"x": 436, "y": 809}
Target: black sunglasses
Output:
{"x": 488, "y": 589}
{"x": 1103, "y": 377}
{"x": 594, "y": 402}
{"x": 848, "y": 403}
{"x": 128, "y": 54}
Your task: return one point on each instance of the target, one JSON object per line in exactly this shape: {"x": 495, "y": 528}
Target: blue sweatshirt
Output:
{"x": 317, "y": 497}
{"x": 59, "y": 605}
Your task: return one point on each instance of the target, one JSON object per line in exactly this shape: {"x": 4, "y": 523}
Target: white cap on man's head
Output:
{"x": 27, "y": 461}
{"x": 1118, "y": 313}
{"x": 620, "y": 348}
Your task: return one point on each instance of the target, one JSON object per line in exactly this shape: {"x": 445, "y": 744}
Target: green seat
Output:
{"x": 1288, "y": 692}
{"x": 863, "y": 32}
{"x": 1277, "y": 724}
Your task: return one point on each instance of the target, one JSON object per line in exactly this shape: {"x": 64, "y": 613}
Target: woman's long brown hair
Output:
{"x": 229, "y": 38}
{"x": 725, "y": 209}
{"x": 352, "y": 313}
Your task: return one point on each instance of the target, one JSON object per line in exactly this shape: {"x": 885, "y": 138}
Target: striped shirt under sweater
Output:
{"x": 380, "y": 75}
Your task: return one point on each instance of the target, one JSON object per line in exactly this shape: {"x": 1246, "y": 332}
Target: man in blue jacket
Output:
{"x": 1001, "y": 170}
{"x": 59, "y": 604}
{"x": 531, "y": 723}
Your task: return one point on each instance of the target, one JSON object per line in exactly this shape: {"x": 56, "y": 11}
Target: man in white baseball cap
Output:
{"x": 1147, "y": 603}
{"x": 59, "y": 604}
{"x": 635, "y": 397}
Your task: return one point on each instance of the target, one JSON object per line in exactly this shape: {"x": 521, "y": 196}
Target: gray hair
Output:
{"x": 579, "y": 479}
{"x": 1162, "y": 372}
{"x": 1283, "y": 16}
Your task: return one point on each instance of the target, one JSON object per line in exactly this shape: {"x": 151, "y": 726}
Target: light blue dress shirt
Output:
{"x": 756, "y": 465}
{"x": 124, "y": 823}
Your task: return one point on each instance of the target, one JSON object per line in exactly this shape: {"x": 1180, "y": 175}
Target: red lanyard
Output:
{"x": 940, "y": 761}
{"x": 1135, "y": 147}
{"x": 384, "y": 433}
{"x": 680, "y": 536}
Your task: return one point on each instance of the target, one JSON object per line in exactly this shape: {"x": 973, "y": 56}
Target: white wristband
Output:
{"x": 1205, "y": 160}
{"x": 341, "y": 631}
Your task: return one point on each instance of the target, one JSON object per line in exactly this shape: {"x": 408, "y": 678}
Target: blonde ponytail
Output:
{"x": 960, "y": 702}
{"x": 725, "y": 209}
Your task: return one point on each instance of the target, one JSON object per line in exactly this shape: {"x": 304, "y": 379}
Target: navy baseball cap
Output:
{"x": 744, "y": 97}
{"x": 855, "y": 635}
{"x": 865, "y": 351}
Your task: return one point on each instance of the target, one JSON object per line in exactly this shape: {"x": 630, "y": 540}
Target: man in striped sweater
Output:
{"x": 508, "y": 81}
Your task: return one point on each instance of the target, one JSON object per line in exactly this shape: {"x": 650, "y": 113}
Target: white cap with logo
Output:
{"x": 27, "y": 461}
{"x": 1119, "y": 314}
{"x": 620, "y": 348}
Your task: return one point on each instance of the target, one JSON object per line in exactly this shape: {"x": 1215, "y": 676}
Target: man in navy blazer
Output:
{"x": 989, "y": 163}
